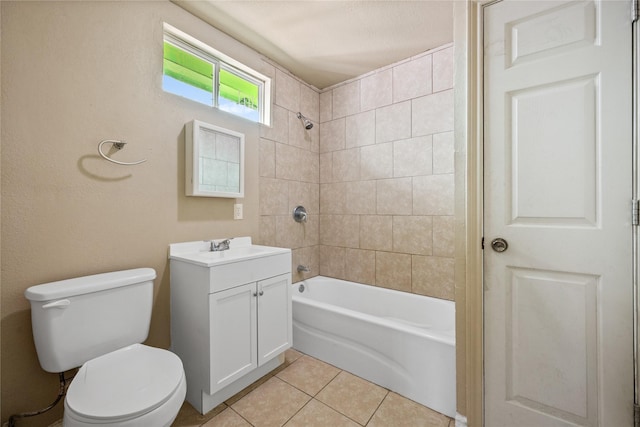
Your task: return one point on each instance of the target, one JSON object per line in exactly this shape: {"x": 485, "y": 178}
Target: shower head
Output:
{"x": 307, "y": 123}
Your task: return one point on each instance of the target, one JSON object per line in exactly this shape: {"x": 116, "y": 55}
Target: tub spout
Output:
{"x": 303, "y": 268}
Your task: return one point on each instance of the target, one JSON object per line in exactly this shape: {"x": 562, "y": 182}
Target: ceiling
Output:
{"x": 325, "y": 42}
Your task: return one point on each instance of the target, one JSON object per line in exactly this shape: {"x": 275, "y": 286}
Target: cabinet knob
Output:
{"x": 255, "y": 294}
{"x": 261, "y": 293}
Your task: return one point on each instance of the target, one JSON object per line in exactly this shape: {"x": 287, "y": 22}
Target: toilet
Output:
{"x": 98, "y": 323}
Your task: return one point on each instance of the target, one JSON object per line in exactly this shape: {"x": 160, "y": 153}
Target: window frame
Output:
{"x": 220, "y": 61}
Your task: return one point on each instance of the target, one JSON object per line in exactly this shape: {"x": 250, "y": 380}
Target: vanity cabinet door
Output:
{"x": 233, "y": 335}
{"x": 274, "y": 317}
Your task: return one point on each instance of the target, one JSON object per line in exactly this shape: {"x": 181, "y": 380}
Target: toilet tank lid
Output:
{"x": 88, "y": 284}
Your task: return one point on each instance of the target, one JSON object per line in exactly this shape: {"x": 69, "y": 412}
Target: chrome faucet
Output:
{"x": 220, "y": 246}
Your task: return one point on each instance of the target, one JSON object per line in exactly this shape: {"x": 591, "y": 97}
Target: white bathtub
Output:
{"x": 400, "y": 341}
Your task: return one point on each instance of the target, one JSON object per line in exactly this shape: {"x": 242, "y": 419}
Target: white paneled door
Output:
{"x": 558, "y": 189}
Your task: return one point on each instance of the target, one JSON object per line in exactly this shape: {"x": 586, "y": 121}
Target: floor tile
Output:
{"x": 227, "y": 418}
{"x": 271, "y": 404}
{"x": 396, "y": 410}
{"x": 352, "y": 396}
{"x": 308, "y": 374}
{"x": 189, "y": 417}
{"x": 248, "y": 389}
{"x": 291, "y": 355}
{"x": 316, "y": 414}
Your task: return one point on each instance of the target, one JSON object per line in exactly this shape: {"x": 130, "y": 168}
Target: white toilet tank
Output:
{"x": 79, "y": 319}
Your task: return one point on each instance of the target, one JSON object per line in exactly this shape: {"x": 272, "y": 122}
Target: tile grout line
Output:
{"x": 378, "y": 407}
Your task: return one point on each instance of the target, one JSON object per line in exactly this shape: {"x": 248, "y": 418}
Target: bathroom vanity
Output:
{"x": 230, "y": 315}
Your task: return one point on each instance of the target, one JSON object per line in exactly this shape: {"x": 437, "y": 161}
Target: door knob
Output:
{"x": 499, "y": 244}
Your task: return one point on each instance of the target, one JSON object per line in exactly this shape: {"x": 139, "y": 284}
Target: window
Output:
{"x": 193, "y": 70}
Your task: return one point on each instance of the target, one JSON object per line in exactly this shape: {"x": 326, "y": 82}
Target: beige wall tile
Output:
{"x": 376, "y": 161}
{"x": 346, "y": 165}
{"x": 332, "y": 198}
{"x": 412, "y": 79}
{"x": 274, "y": 197}
{"x": 267, "y": 164}
{"x": 376, "y": 90}
{"x": 287, "y": 91}
{"x": 350, "y": 231}
{"x": 360, "y": 197}
{"x": 314, "y": 133}
{"x": 289, "y": 162}
{"x": 346, "y": 99}
{"x": 332, "y": 261}
{"x": 311, "y": 231}
{"x": 298, "y": 135}
{"x": 340, "y": 230}
{"x": 393, "y": 122}
{"x": 332, "y": 135}
{"x": 376, "y": 232}
{"x": 306, "y": 194}
{"x": 433, "y": 276}
{"x": 310, "y": 168}
{"x": 432, "y": 113}
{"x": 444, "y": 236}
{"x": 289, "y": 234}
{"x": 443, "y": 69}
{"x": 443, "y": 153}
{"x": 413, "y": 234}
{"x": 361, "y": 129}
{"x": 326, "y": 167}
{"x": 307, "y": 256}
{"x": 267, "y": 231}
{"x": 279, "y": 129}
{"x": 310, "y": 103}
{"x": 326, "y": 106}
{"x": 433, "y": 195}
{"x": 360, "y": 266}
{"x": 394, "y": 196}
{"x": 413, "y": 157}
{"x": 393, "y": 271}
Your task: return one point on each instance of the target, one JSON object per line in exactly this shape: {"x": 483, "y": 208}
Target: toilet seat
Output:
{"x": 124, "y": 384}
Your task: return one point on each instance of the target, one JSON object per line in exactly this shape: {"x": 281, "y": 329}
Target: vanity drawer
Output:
{"x": 228, "y": 276}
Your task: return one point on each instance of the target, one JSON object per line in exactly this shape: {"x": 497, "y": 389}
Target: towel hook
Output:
{"x": 119, "y": 145}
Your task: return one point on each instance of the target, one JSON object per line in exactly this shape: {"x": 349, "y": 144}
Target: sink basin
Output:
{"x": 240, "y": 249}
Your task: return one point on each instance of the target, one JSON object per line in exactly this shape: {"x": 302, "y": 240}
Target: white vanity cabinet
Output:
{"x": 236, "y": 316}
{"x": 230, "y": 317}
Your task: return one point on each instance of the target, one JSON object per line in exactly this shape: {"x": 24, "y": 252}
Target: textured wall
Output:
{"x": 386, "y": 177}
{"x": 74, "y": 73}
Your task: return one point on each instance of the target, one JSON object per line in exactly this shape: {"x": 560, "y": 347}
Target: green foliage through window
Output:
{"x": 193, "y": 73}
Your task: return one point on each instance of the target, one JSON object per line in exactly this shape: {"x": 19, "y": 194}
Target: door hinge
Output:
{"x": 635, "y": 212}
{"x": 635, "y": 10}
{"x": 636, "y": 415}
{"x": 482, "y": 243}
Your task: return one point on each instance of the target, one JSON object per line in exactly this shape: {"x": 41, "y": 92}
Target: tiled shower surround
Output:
{"x": 375, "y": 174}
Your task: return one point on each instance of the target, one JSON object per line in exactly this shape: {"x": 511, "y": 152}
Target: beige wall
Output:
{"x": 386, "y": 177}
{"x": 74, "y": 73}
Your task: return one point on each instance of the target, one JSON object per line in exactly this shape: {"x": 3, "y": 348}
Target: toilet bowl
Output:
{"x": 98, "y": 323}
{"x": 147, "y": 389}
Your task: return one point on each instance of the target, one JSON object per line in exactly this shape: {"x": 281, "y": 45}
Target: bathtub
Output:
{"x": 400, "y": 341}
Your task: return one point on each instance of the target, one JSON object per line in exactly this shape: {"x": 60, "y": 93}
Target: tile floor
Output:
{"x": 306, "y": 392}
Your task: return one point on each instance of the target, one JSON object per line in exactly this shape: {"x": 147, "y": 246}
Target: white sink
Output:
{"x": 240, "y": 249}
